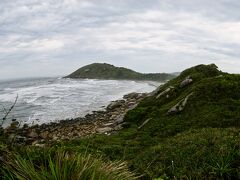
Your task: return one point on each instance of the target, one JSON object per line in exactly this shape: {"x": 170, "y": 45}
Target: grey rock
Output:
{"x": 132, "y": 95}
{"x": 104, "y": 130}
{"x": 164, "y": 92}
{"x": 180, "y": 105}
{"x": 115, "y": 104}
{"x": 144, "y": 123}
{"x": 44, "y": 134}
{"x": 119, "y": 119}
{"x": 186, "y": 82}
{"x": 32, "y": 134}
{"x": 108, "y": 124}
{"x": 40, "y": 145}
{"x": 20, "y": 139}
{"x": 118, "y": 127}
{"x": 155, "y": 92}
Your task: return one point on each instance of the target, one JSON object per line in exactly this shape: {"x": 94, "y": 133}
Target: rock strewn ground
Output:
{"x": 98, "y": 122}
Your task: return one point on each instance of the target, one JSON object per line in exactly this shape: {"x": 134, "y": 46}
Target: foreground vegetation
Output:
{"x": 200, "y": 141}
{"x": 107, "y": 71}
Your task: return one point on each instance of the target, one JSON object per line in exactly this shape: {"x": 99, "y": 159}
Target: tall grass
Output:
{"x": 64, "y": 166}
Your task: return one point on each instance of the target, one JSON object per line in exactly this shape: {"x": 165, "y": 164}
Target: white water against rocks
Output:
{"x": 48, "y": 100}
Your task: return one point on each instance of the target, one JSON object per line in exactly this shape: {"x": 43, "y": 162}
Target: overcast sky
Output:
{"x": 56, "y": 37}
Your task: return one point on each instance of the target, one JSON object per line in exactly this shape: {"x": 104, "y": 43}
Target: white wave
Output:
{"x": 54, "y": 99}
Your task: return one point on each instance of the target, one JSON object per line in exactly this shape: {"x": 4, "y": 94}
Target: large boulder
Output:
{"x": 165, "y": 92}
{"x": 115, "y": 104}
{"x": 134, "y": 96}
{"x": 104, "y": 130}
{"x": 186, "y": 82}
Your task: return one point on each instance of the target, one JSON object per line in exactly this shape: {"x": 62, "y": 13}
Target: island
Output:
{"x": 107, "y": 71}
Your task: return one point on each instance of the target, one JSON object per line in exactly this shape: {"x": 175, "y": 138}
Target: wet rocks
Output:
{"x": 115, "y": 104}
{"x": 107, "y": 122}
{"x": 133, "y": 96}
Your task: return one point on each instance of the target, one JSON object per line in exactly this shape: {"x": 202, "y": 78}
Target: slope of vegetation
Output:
{"x": 197, "y": 140}
{"x": 107, "y": 71}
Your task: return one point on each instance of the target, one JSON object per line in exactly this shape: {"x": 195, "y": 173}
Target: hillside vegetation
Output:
{"x": 107, "y": 71}
{"x": 189, "y": 128}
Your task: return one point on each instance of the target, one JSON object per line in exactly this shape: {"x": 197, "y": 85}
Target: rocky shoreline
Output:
{"x": 106, "y": 122}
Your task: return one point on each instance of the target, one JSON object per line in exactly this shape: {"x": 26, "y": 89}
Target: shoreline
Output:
{"x": 106, "y": 121}
{"x": 26, "y": 111}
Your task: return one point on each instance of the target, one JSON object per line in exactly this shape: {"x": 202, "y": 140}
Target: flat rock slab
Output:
{"x": 104, "y": 130}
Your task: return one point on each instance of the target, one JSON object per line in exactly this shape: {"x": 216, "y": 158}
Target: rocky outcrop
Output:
{"x": 180, "y": 105}
{"x": 164, "y": 92}
{"x": 144, "y": 123}
{"x": 115, "y": 104}
{"x": 186, "y": 82}
{"x": 101, "y": 122}
{"x": 104, "y": 130}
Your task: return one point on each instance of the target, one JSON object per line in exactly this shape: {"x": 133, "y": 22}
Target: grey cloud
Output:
{"x": 57, "y": 36}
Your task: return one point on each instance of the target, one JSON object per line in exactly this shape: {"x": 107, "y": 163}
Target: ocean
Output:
{"x": 45, "y": 100}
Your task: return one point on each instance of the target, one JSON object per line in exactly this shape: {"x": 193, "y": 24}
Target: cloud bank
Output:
{"x": 55, "y": 37}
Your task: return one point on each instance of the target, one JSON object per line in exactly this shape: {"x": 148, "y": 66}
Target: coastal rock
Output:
{"x": 165, "y": 92}
{"x": 104, "y": 130}
{"x": 44, "y": 134}
{"x": 108, "y": 124}
{"x": 20, "y": 139}
{"x": 155, "y": 92}
{"x": 32, "y": 134}
{"x": 115, "y": 104}
{"x": 118, "y": 127}
{"x": 133, "y": 95}
{"x": 102, "y": 122}
{"x": 186, "y": 82}
{"x": 180, "y": 105}
{"x": 119, "y": 119}
{"x": 144, "y": 123}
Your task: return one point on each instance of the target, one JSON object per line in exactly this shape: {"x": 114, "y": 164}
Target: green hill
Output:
{"x": 107, "y": 71}
{"x": 188, "y": 128}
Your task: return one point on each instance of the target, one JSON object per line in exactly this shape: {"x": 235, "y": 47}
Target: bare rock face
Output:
{"x": 119, "y": 119}
{"x": 134, "y": 96}
{"x": 180, "y": 105}
{"x": 104, "y": 130}
{"x": 131, "y": 96}
{"x": 145, "y": 122}
{"x": 115, "y": 104}
{"x": 186, "y": 82}
{"x": 155, "y": 92}
{"x": 165, "y": 92}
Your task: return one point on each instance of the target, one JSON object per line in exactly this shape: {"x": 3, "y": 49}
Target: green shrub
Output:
{"x": 63, "y": 166}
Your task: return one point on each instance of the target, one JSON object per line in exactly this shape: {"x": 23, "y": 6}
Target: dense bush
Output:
{"x": 61, "y": 165}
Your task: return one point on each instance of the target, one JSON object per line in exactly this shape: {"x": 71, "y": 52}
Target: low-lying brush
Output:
{"x": 62, "y": 165}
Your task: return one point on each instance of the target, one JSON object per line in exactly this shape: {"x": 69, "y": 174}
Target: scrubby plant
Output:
{"x": 63, "y": 166}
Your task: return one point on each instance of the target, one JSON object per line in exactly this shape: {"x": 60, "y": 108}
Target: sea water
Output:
{"x": 45, "y": 100}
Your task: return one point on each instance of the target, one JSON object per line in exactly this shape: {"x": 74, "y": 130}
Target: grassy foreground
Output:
{"x": 200, "y": 141}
